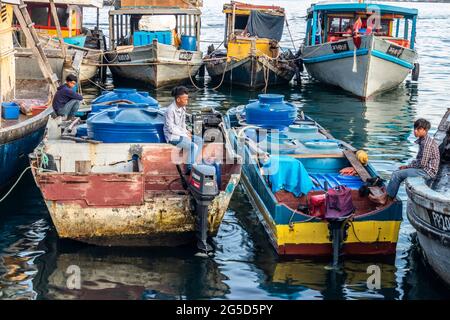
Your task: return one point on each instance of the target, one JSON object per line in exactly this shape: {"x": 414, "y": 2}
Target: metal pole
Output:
{"x": 98, "y": 19}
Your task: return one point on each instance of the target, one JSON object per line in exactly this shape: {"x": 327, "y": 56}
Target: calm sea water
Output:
{"x": 33, "y": 262}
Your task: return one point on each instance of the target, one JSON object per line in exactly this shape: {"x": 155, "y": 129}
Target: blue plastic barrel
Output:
{"x": 10, "y": 111}
{"x": 126, "y": 123}
{"x": 126, "y": 94}
{"x": 271, "y": 111}
{"x": 189, "y": 43}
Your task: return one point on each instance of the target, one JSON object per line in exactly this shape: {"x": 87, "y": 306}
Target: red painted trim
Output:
{"x": 351, "y": 249}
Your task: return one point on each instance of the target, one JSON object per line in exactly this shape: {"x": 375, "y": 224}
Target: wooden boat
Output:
{"x": 18, "y": 137}
{"x": 429, "y": 207}
{"x": 359, "y": 47}
{"x": 83, "y": 48}
{"x": 372, "y": 229}
{"x": 158, "y": 54}
{"x": 253, "y": 57}
{"x": 95, "y": 195}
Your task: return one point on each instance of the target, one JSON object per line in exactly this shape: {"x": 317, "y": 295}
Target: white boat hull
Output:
{"x": 157, "y": 64}
{"x": 375, "y": 71}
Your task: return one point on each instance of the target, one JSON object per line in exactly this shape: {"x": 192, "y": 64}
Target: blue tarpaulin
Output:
{"x": 287, "y": 173}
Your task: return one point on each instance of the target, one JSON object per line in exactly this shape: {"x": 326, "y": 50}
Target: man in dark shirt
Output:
{"x": 426, "y": 163}
{"x": 66, "y": 101}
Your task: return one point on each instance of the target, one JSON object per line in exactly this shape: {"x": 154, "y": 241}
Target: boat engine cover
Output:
{"x": 203, "y": 183}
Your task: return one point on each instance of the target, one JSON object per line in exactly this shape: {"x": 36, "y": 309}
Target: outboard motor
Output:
{"x": 203, "y": 188}
{"x": 339, "y": 208}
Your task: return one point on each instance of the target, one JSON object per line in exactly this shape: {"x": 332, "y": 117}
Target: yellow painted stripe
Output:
{"x": 317, "y": 233}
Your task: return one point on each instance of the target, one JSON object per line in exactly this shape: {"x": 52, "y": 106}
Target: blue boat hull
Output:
{"x": 16, "y": 142}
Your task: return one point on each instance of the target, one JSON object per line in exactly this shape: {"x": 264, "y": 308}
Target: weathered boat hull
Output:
{"x": 147, "y": 208}
{"x": 157, "y": 65}
{"x": 376, "y": 69}
{"x": 28, "y": 68}
{"x": 429, "y": 210}
{"x": 374, "y": 234}
{"x": 429, "y": 213}
{"x": 16, "y": 142}
{"x": 252, "y": 73}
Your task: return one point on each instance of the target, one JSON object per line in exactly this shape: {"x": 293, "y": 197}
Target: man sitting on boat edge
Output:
{"x": 66, "y": 101}
{"x": 175, "y": 126}
{"x": 426, "y": 163}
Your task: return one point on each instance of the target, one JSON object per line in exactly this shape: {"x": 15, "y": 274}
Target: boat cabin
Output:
{"x": 139, "y": 23}
{"x": 70, "y": 15}
{"x": 247, "y": 23}
{"x": 331, "y": 22}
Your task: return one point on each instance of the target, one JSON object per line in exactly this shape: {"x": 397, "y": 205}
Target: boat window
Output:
{"x": 339, "y": 24}
{"x": 39, "y": 15}
{"x": 335, "y": 25}
{"x": 240, "y": 22}
{"x": 63, "y": 17}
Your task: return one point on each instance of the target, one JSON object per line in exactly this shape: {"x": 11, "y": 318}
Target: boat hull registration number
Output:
{"x": 123, "y": 57}
{"x": 186, "y": 56}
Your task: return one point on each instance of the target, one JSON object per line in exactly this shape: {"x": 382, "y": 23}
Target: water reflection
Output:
{"x": 115, "y": 273}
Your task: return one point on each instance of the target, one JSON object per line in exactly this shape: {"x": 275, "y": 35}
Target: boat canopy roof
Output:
{"x": 364, "y": 7}
{"x": 245, "y": 8}
{"x": 81, "y": 3}
{"x": 155, "y": 11}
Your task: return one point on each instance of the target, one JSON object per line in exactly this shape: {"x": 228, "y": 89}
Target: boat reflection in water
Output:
{"x": 115, "y": 273}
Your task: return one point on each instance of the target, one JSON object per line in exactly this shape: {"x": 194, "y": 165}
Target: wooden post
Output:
{"x": 58, "y": 29}
{"x": 27, "y": 26}
{"x": 233, "y": 19}
{"x": 197, "y": 29}
{"x": 111, "y": 32}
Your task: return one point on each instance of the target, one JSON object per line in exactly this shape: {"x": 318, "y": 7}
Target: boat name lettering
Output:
{"x": 394, "y": 50}
{"x": 186, "y": 56}
{"x": 338, "y": 47}
{"x": 123, "y": 57}
{"x": 440, "y": 221}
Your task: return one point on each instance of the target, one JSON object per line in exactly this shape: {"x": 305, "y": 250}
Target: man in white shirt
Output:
{"x": 175, "y": 126}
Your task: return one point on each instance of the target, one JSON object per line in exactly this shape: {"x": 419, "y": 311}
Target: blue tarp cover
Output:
{"x": 264, "y": 25}
{"x": 287, "y": 173}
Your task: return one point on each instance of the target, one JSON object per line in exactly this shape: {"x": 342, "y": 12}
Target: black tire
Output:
{"x": 415, "y": 72}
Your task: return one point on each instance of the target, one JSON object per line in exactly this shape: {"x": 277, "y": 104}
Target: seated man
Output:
{"x": 66, "y": 101}
{"x": 175, "y": 126}
{"x": 426, "y": 163}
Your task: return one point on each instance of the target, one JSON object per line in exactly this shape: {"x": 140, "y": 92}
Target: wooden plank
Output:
{"x": 27, "y": 26}
{"x": 316, "y": 155}
{"x": 351, "y": 157}
{"x": 58, "y": 28}
{"x": 83, "y": 166}
{"x": 186, "y": 4}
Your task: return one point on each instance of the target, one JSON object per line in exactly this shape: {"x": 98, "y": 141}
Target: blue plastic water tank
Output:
{"x": 82, "y": 130}
{"x": 10, "y": 111}
{"x": 95, "y": 108}
{"x": 304, "y": 132}
{"x": 271, "y": 111}
{"x": 77, "y": 41}
{"x": 189, "y": 43}
{"x": 142, "y": 38}
{"x": 326, "y": 146}
{"x": 125, "y": 123}
{"x": 126, "y": 94}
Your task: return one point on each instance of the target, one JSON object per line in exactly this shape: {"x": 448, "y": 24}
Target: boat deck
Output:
{"x": 31, "y": 93}
{"x": 442, "y": 182}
